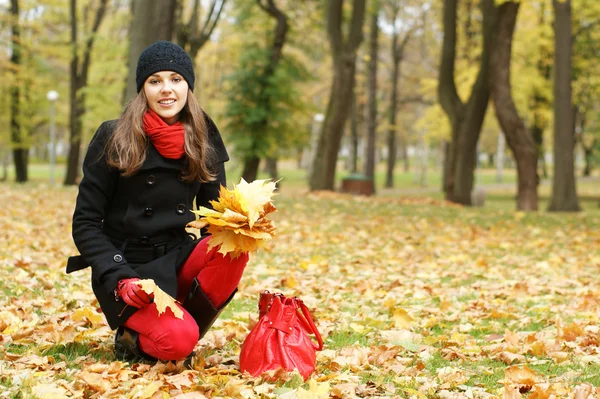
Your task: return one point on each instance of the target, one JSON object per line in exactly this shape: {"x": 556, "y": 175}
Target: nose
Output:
{"x": 166, "y": 87}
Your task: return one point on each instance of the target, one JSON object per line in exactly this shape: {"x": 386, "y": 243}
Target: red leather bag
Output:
{"x": 281, "y": 338}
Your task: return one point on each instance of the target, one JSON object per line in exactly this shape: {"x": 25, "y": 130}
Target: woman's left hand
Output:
{"x": 132, "y": 294}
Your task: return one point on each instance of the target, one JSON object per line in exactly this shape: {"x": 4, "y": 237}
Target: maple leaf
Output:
{"x": 237, "y": 223}
{"x": 161, "y": 298}
{"x": 87, "y": 313}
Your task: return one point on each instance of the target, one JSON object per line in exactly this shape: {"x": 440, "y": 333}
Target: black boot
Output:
{"x": 127, "y": 348}
{"x": 198, "y": 305}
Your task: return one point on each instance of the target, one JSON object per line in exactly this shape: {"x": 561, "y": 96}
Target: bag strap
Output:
{"x": 311, "y": 323}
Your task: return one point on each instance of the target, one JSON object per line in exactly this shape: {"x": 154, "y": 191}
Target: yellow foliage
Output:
{"x": 238, "y": 220}
{"x": 161, "y": 298}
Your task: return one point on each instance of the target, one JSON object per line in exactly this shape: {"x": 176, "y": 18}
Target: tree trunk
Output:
{"x": 466, "y": 119}
{"x": 354, "y": 117}
{"x": 391, "y": 139}
{"x": 271, "y": 167}
{"x": 250, "y": 171}
{"x": 517, "y": 137}
{"x": 540, "y": 99}
{"x": 79, "y": 77}
{"x": 322, "y": 175}
{"x": 151, "y": 21}
{"x": 564, "y": 194}
{"x": 372, "y": 87}
{"x": 397, "y": 57}
{"x": 251, "y": 161}
{"x": 20, "y": 151}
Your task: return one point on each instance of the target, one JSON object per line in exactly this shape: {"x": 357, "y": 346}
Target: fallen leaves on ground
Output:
{"x": 415, "y": 298}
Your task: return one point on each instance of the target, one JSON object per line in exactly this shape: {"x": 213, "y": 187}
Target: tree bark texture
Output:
{"x": 372, "y": 122}
{"x": 250, "y": 170}
{"x": 517, "y": 137}
{"x": 354, "y": 122}
{"x": 465, "y": 119}
{"x": 322, "y": 176}
{"x": 152, "y": 21}
{"x": 564, "y": 194}
{"x": 20, "y": 151}
{"x": 79, "y": 77}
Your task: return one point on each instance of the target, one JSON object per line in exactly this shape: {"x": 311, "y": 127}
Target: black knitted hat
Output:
{"x": 164, "y": 56}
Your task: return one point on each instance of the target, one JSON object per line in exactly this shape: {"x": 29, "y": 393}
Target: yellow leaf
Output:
{"x": 48, "y": 391}
{"x": 87, "y": 313}
{"x": 147, "y": 391}
{"x": 402, "y": 319}
{"x": 254, "y": 196}
{"x": 315, "y": 390}
{"x": 237, "y": 222}
{"x": 161, "y": 298}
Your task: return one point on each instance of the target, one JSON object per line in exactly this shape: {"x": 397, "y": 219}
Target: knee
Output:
{"x": 177, "y": 342}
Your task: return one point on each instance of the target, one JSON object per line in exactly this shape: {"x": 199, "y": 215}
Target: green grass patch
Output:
{"x": 342, "y": 339}
{"x": 70, "y": 351}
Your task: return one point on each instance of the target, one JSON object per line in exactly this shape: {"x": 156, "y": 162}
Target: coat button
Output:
{"x": 117, "y": 258}
{"x": 148, "y": 211}
{"x": 181, "y": 208}
{"x": 144, "y": 240}
{"x": 150, "y": 180}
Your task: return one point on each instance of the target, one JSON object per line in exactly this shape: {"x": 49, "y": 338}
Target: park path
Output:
{"x": 429, "y": 190}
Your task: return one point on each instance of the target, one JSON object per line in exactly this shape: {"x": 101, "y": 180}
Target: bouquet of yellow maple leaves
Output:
{"x": 238, "y": 222}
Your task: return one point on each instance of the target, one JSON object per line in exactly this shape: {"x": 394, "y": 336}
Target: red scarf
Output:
{"x": 168, "y": 139}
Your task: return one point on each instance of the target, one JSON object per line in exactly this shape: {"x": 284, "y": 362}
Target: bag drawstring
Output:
{"x": 311, "y": 323}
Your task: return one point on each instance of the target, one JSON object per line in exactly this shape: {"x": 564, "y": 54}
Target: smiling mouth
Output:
{"x": 166, "y": 102}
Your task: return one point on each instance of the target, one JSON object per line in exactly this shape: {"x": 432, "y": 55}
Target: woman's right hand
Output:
{"x": 132, "y": 294}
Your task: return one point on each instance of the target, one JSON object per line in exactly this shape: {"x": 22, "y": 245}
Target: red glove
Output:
{"x": 132, "y": 294}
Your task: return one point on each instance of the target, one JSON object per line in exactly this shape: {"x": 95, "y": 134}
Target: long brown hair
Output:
{"x": 128, "y": 143}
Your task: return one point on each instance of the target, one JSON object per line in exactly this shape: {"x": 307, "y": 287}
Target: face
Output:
{"x": 166, "y": 93}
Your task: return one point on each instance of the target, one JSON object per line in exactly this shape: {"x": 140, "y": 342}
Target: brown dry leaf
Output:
{"x": 95, "y": 381}
{"x": 182, "y": 380}
{"x": 521, "y": 376}
{"x": 583, "y": 391}
{"x": 161, "y": 298}
{"x": 511, "y": 392}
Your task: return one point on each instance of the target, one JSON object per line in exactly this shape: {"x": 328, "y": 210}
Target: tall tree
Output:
{"x": 191, "y": 35}
{"x": 252, "y": 160}
{"x": 151, "y": 21}
{"x": 372, "y": 88}
{"x": 18, "y": 141}
{"x": 540, "y": 102}
{"x": 517, "y": 136}
{"x": 564, "y": 193}
{"x": 322, "y": 176}
{"x": 398, "y": 47}
{"x": 466, "y": 119}
{"x": 79, "y": 78}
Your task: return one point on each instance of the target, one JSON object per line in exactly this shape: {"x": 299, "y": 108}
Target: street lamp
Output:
{"x": 52, "y": 96}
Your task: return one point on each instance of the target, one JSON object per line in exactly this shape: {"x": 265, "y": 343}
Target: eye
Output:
{"x": 177, "y": 79}
{"x": 153, "y": 81}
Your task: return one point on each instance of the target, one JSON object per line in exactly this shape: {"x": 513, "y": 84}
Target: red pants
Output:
{"x": 167, "y": 338}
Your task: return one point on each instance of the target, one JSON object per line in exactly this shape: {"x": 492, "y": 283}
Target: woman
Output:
{"x": 142, "y": 174}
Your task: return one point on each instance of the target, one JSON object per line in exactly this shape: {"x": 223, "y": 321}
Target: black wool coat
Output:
{"x": 134, "y": 226}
